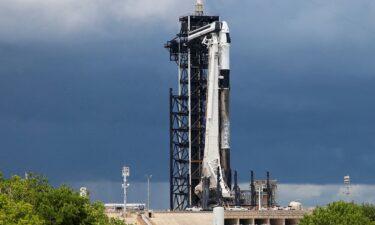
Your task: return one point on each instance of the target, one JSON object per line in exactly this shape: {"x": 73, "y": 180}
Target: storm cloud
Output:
{"x": 84, "y": 88}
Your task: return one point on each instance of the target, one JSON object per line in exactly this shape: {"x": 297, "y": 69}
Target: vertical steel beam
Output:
{"x": 171, "y": 148}
{"x": 269, "y": 191}
{"x": 253, "y": 191}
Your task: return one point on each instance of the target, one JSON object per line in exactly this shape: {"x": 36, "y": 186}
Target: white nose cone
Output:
{"x": 225, "y": 27}
{"x": 199, "y": 2}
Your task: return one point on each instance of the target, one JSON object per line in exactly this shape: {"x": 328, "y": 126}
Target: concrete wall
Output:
{"x": 266, "y": 217}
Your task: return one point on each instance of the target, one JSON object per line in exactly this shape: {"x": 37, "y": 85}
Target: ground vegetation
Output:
{"x": 341, "y": 213}
{"x": 33, "y": 201}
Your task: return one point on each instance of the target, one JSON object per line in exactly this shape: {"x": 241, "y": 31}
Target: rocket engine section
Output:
{"x": 216, "y": 161}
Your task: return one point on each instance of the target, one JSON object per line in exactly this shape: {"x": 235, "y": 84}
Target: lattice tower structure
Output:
{"x": 187, "y": 112}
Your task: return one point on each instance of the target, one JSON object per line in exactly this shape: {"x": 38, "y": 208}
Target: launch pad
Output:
{"x": 200, "y": 170}
{"x": 290, "y": 217}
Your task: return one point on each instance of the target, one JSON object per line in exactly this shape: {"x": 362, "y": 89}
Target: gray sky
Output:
{"x": 84, "y": 88}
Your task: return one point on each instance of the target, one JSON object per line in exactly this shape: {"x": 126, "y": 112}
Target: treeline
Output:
{"x": 341, "y": 213}
{"x": 33, "y": 201}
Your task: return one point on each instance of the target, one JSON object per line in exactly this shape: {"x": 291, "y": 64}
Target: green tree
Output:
{"x": 337, "y": 213}
{"x": 33, "y": 201}
{"x": 17, "y": 213}
{"x": 369, "y": 211}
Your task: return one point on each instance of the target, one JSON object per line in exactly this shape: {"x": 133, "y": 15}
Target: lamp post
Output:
{"x": 125, "y": 185}
{"x": 347, "y": 187}
{"x": 148, "y": 190}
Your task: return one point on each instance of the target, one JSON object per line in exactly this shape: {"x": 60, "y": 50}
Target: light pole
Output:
{"x": 148, "y": 190}
{"x": 125, "y": 185}
{"x": 347, "y": 187}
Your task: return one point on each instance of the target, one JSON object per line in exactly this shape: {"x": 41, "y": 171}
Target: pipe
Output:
{"x": 237, "y": 194}
{"x": 218, "y": 216}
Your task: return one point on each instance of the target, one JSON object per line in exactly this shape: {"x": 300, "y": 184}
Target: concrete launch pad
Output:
{"x": 253, "y": 217}
{"x": 182, "y": 218}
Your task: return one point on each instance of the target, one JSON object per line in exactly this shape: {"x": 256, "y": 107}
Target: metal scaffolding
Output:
{"x": 187, "y": 112}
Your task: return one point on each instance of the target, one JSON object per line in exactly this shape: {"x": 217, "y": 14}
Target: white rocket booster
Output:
{"x": 216, "y": 151}
{"x": 224, "y": 84}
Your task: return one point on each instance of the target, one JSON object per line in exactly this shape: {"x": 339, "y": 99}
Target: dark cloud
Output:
{"x": 302, "y": 88}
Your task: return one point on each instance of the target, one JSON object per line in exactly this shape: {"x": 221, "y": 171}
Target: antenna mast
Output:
{"x": 125, "y": 185}
{"x": 347, "y": 187}
{"x": 199, "y": 8}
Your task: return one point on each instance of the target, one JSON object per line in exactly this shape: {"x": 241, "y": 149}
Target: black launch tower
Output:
{"x": 187, "y": 112}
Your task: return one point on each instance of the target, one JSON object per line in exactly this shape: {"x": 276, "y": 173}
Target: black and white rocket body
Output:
{"x": 216, "y": 161}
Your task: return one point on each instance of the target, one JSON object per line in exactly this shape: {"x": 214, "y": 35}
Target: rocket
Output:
{"x": 216, "y": 160}
{"x": 224, "y": 85}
